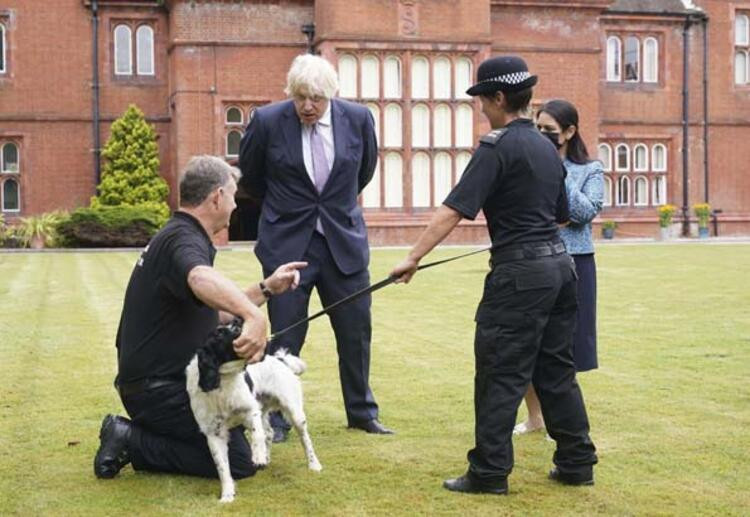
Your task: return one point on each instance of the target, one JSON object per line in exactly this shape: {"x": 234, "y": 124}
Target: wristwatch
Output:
{"x": 265, "y": 290}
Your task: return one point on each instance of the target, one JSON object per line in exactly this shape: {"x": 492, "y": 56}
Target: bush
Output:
{"x": 609, "y": 225}
{"x": 130, "y": 175}
{"x": 40, "y": 230}
{"x": 112, "y": 226}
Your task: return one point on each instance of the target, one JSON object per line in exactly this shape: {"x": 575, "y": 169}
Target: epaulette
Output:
{"x": 492, "y": 137}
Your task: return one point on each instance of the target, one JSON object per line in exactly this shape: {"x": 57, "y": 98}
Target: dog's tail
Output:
{"x": 292, "y": 362}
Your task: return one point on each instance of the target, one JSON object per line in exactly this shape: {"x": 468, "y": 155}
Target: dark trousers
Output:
{"x": 351, "y": 325}
{"x": 525, "y": 324}
{"x": 584, "y": 340}
{"x": 166, "y": 437}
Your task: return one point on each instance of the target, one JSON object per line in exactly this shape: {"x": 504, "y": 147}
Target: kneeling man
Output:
{"x": 174, "y": 300}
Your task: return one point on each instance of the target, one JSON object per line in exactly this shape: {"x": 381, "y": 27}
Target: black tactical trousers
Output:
{"x": 525, "y": 324}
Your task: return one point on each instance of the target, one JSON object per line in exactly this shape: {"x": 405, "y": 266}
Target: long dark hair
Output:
{"x": 566, "y": 115}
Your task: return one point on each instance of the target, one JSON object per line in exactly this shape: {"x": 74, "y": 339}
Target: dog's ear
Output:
{"x": 208, "y": 369}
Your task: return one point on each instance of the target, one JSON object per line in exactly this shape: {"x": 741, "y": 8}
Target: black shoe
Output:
{"x": 372, "y": 427}
{"x": 569, "y": 478}
{"x": 280, "y": 434}
{"x": 466, "y": 485}
{"x": 113, "y": 454}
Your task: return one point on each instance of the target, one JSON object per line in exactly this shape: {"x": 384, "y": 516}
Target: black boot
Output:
{"x": 569, "y": 478}
{"x": 112, "y": 455}
{"x": 466, "y": 485}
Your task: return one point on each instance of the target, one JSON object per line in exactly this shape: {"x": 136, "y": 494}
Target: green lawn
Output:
{"x": 669, "y": 406}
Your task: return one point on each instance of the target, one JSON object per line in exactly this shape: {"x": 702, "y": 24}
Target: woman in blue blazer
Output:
{"x": 558, "y": 120}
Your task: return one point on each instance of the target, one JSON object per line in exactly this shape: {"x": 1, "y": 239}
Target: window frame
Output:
{"x": 614, "y": 70}
{"x": 608, "y": 190}
{"x": 138, "y": 72}
{"x": 617, "y": 160}
{"x": 2, "y": 195}
{"x": 638, "y": 179}
{"x": 227, "y": 155}
{"x": 639, "y": 72}
{"x": 624, "y": 178}
{"x": 115, "y": 62}
{"x": 3, "y": 169}
{"x": 607, "y": 167}
{"x": 4, "y": 49}
{"x": 227, "y": 122}
{"x": 643, "y": 167}
{"x": 746, "y": 41}
{"x": 646, "y": 64}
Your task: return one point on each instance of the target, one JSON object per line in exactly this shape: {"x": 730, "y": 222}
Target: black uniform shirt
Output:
{"x": 518, "y": 179}
{"x": 162, "y": 322}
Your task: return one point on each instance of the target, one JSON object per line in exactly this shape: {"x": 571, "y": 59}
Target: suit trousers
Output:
{"x": 166, "y": 437}
{"x": 351, "y": 324}
{"x": 524, "y": 332}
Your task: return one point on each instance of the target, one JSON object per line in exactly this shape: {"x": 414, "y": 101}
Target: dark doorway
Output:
{"x": 243, "y": 225}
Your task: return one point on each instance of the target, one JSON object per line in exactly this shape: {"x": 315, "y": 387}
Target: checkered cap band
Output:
{"x": 512, "y": 78}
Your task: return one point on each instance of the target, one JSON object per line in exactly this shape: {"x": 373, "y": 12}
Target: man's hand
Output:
{"x": 285, "y": 277}
{"x": 405, "y": 270}
{"x": 251, "y": 344}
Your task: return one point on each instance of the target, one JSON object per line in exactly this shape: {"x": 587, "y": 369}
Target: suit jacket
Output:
{"x": 273, "y": 169}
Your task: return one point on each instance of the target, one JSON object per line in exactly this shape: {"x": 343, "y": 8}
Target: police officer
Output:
{"x": 526, "y": 318}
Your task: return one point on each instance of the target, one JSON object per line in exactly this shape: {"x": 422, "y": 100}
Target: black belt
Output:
{"x": 132, "y": 388}
{"x": 528, "y": 251}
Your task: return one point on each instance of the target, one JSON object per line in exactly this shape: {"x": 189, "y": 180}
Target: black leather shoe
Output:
{"x": 569, "y": 478}
{"x": 466, "y": 485}
{"x": 280, "y": 434}
{"x": 371, "y": 426}
{"x": 113, "y": 454}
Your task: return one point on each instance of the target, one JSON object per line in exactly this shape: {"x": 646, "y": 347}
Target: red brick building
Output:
{"x": 68, "y": 68}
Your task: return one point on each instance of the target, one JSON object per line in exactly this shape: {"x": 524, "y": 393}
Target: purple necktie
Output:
{"x": 321, "y": 170}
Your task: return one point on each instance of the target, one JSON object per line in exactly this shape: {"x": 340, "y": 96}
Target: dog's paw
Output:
{"x": 315, "y": 466}
{"x": 227, "y": 498}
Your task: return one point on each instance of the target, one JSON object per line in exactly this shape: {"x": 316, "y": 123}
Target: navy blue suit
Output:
{"x": 273, "y": 169}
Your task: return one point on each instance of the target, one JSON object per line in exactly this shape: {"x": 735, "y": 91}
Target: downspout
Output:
{"x": 685, "y": 128}
{"x": 95, "y": 93}
{"x": 705, "y": 108}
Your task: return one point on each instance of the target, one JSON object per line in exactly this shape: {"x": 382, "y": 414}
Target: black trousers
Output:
{"x": 351, "y": 324}
{"x": 525, "y": 324}
{"x": 166, "y": 437}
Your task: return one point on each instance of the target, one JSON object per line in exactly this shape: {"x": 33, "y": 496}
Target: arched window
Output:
{"x": 742, "y": 30}
{"x": 393, "y": 180}
{"x": 741, "y": 67}
{"x": 659, "y": 193}
{"x": 443, "y": 177}
{"x": 9, "y": 158}
{"x": 659, "y": 158}
{"x": 420, "y": 180}
{"x": 650, "y": 60}
{"x": 123, "y": 50}
{"x": 607, "y": 191}
{"x": 370, "y": 77}
{"x": 462, "y": 77}
{"x": 144, "y": 37}
{"x": 375, "y": 111}
{"x": 622, "y": 157}
{"x": 2, "y": 48}
{"x": 347, "y": 76}
{"x": 11, "y": 196}
{"x": 233, "y": 115}
{"x": 233, "y": 144}
{"x": 623, "y": 191}
{"x": 420, "y": 126}
{"x": 605, "y": 156}
{"x": 371, "y": 193}
{"x": 393, "y": 127}
{"x": 464, "y": 126}
{"x": 392, "y": 78}
{"x": 614, "y": 46}
{"x": 441, "y": 128}
{"x": 420, "y": 78}
{"x": 640, "y": 191}
{"x": 462, "y": 160}
{"x": 632, "y": 59}
{"x": 441, "y": 78}
{"x": 640, "y": 158}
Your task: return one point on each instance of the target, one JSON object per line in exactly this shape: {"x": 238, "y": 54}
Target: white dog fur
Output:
{"x": 276, "y": 386}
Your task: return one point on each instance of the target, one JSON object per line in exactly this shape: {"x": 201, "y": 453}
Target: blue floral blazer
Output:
{"x": 585, "y": 188}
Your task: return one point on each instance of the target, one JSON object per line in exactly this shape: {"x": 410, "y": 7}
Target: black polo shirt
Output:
{"x": 517, "y": 178}
{"x": 162, "y": 322}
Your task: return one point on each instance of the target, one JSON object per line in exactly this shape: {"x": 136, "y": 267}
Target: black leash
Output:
{"x": 369, "y": 289}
